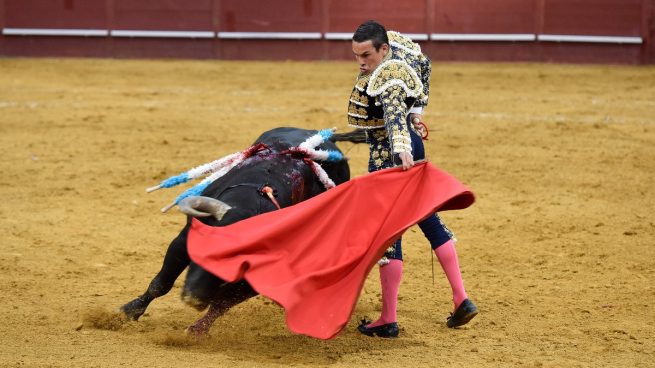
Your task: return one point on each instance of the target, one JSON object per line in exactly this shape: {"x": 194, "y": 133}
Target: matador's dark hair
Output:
{"x": 373, "y": 31}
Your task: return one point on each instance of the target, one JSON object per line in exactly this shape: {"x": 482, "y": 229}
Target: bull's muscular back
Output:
{"x": 292, "y": 178}
{"x": 285, "y": 137}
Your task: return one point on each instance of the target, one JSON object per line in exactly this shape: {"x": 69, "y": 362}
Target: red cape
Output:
{"x": 313, "y": 258}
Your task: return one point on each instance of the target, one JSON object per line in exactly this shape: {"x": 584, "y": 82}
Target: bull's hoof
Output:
{"x": 196, "y": 303}
{"x": 134, "y": 309}
{"x": 198, "y": 331}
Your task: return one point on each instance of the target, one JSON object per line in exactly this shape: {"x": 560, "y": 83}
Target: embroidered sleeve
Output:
{"x": 395, "y": 111}
{"x": 426, "y": 69}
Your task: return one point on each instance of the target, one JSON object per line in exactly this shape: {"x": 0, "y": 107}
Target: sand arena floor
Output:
{"x": 557, "y": 252}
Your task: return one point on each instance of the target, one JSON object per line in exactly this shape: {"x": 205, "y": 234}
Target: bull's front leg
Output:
{"x": 227, "y": 296}
{"x": 175, "y": 261}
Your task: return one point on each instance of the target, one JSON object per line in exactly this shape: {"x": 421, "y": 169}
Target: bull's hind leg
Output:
{"x": 228, "y": 296}
{"x": 175, "y": 261}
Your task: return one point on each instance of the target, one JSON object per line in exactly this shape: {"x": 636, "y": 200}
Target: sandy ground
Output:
{"x": 557, "y": 252}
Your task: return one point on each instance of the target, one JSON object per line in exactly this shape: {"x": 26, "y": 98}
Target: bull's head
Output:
{"x": 198, "y": 206}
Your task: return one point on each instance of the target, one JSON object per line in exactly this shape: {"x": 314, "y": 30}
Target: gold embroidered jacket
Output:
{"x": 383, "y": 98}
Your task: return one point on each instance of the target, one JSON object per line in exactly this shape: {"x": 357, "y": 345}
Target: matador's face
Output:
{"x": 367, "y": 56}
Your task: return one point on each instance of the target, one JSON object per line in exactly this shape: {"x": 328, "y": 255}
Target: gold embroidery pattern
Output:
{"x": 359, "y": 98}
{"x": 357, "y": 110}
{"x": 359, "y": 115}
{"x": 404, "y": 42}
{"x": 362, "y": 81}
{"x": 394, "y": 72}
{"x": 400, "y": 139}
{"x": 412, "y": 69}
{"x": 380, "y": 155}
{"x": 395, "y": 112}
{"x": 402, "y": 78}
{"x": 365, "y": 123}
{"x": 379, "y": 134}
{"x": 380, "y": 151}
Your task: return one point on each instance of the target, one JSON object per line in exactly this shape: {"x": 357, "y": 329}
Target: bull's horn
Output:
{"x": 198, "y": 206}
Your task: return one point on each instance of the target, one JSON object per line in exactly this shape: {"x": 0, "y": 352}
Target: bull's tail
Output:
{"x": 355, "y": 136}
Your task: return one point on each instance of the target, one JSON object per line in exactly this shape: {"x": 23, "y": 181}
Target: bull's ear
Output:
{"x": 197, "y": 206}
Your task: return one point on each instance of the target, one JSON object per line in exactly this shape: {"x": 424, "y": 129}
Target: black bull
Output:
{"x": 292, "y": 179}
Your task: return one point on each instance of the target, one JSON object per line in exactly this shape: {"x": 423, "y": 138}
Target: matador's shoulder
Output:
{"x": 398, "y": 68}
{"x": 394, "y": 72}
{"x": 404, "y": 43}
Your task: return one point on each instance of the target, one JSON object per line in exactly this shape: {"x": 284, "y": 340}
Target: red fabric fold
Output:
{"x": 313, "y": 258}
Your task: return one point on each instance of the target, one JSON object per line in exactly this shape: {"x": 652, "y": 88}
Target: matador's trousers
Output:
{"x": 380, "y": 157}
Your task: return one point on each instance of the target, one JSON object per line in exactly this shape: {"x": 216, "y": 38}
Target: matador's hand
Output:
{"x": 413, "y": 118}
{"x": 417, "y": 122}
{"x": 407, "y": 160}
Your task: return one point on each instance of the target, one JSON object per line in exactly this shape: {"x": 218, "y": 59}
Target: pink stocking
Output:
{"x": 447, "y": 256}
{"x": 390, "y": 275}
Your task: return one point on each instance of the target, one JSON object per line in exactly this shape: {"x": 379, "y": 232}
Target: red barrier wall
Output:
{"x": 648, "y": 30}
{"x": 406, "y": 16}
{"x": 56, "y": 14}
{"x": 156, "y": 15}
{"x": 318, "y": 29}
{"x": 473, "y": 16}
{"x": 2, "y": 26}
{"x": 174, "y": 15}
{"x": 479, "y": 17}
{"x": 270, "y": 16}
{"x": 593, "y": 17}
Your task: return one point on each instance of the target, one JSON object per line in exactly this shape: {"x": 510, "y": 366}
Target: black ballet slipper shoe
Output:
{"x": 464, "y": 313}
{"x": 386, "y": 331}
